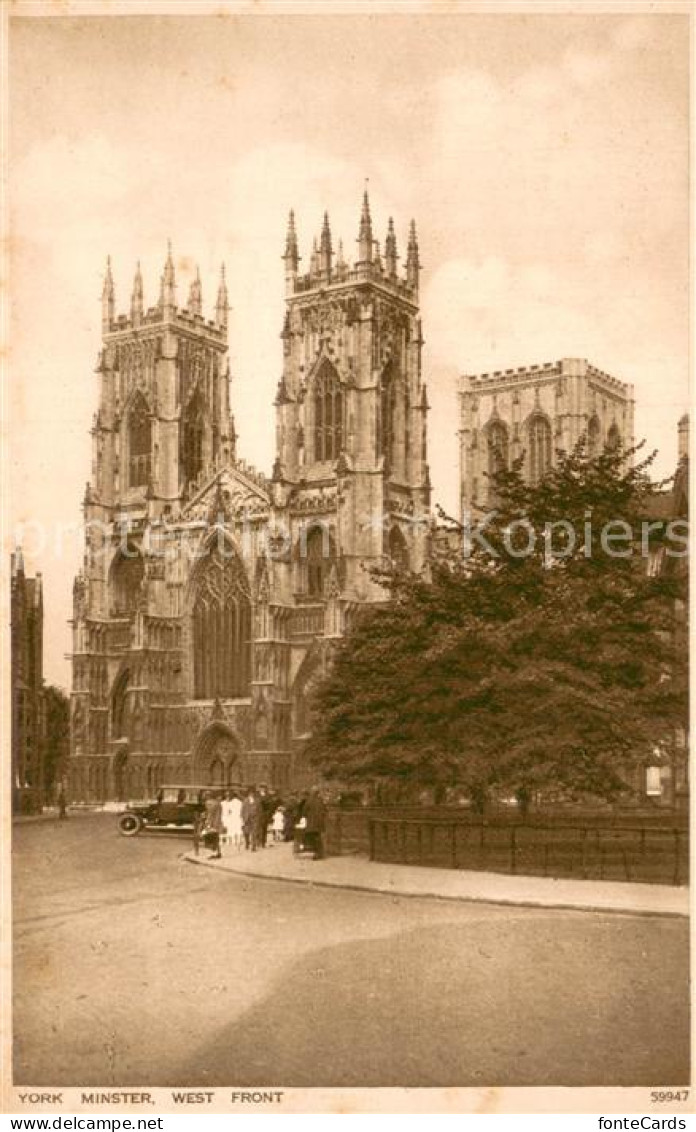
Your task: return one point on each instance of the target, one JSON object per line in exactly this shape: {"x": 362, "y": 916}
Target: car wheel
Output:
{"x": 130, "y": 824}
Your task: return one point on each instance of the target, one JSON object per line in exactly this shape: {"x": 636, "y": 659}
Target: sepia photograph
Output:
{"x": 346, "y": 555}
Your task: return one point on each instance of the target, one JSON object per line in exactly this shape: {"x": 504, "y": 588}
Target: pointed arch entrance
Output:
{"x": 216, "y": 757}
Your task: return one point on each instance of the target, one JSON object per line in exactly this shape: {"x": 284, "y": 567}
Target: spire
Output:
{"x": 340, "y": 258}
{"x": 365, "y": 235}
{"x": 195, "y": 299}
{"x": 108, "y": 298}
{"x": 412, "y": 260}
{"x": 137, "y": 297}
{"x": 325, "y": 250}
{"x": 168, "y": 287}
{"x": 222, "y": 304}
{"x": 377, "y": 256}
{"x": 314, "y": 259}
{"x": 390, "y": 250}
{"x": 292, "y": 256}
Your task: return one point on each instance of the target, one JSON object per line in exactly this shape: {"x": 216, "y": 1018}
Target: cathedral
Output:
{"x": 211, "y": 595}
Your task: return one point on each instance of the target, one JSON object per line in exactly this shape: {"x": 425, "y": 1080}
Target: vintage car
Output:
{"x": 175, "y": 807}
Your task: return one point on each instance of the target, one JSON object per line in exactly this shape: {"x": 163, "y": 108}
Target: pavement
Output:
{"x": 133, "y": 968}
{"x": 278, "y": 862}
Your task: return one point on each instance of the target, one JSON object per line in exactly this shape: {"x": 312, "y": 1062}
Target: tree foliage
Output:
{"x": 553, "y": 670}
{"x": 57, "y": 739}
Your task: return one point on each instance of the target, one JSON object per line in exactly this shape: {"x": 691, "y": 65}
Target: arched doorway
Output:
{"x": 216, "y": 757}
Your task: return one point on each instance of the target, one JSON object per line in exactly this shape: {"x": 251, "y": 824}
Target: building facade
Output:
{"x": 211, "y": 595}
{"x": 532, "y": 412}
{"x": 27, "y": 696}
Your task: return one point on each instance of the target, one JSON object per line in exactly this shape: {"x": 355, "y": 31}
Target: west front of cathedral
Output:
{"x": 211, "y": 596}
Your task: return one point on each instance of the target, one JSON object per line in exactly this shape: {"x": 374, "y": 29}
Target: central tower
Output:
{"x": 351, "y": 404}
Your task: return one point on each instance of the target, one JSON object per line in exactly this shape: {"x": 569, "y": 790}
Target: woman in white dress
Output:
{"x": 278, "y": 824}
{"x": 232, "y": 821}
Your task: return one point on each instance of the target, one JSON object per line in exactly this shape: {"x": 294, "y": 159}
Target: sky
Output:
{"x": 543, "y": 157}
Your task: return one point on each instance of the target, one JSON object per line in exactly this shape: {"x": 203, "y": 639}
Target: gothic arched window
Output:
{"x": 328, "y": 414}
{"x": 594, "y": 437}
{"x": 193, "y": 439}
{"x": 398, "y": 550}
{"x": 126, "y": 579}
{"x": 614, "y": 438}
{"x": 386, "y": 413}
{"x": 221, "y": 627}
{"x": 321, "y": 554}
{"x": 139, "y": 444}
{"x": 498, "y": 448}
{"x": 540, "y": 448}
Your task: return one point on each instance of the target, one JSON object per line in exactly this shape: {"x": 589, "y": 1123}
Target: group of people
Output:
{"x": 249, "y": 822}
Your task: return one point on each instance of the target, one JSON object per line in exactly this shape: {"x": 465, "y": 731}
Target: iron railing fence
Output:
{"x": 602, "y": 848}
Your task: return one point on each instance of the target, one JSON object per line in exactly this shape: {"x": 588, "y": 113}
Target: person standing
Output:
{"x": 289, "y": 818}
{"x": 267, "y": 804}
{"x": 250, "y": 819}
{"x": 232, "y": 820}
{"x": 213, "y": 824}
{"x": 198, "y": 826}
{"x": 62, "y": 806}
{"x": 314, "y": 813}
{"x": 278, "y": 823}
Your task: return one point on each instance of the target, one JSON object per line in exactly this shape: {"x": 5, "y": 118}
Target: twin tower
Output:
{"x": 211, "y": 593}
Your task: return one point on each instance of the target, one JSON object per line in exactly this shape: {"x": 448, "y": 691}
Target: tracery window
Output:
{"x": 126, "y": 580}
{"x": 386, "y": 414}
{"x": 139, "y": 444}
{"x": 613, "y": 438}
{"x": 498, "y": 448}
{"x": 328, "y": 414}
{"x": 398, "y": 550}
{"x": 540, "y": 448}
{"x": 193, "y": 440}
{"x": 594, "y": 437}
{"x": 321, "y": 554}
{"x": 221, "y": 627}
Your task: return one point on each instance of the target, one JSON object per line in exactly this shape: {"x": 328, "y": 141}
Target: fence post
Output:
{"x": 338, "y": 833}
{"x": 513, "y": 850}
{"x": 677, "y": 863}
{"x": 403, "y": 841}
{"x": 371, "y": 830}
{"x": 453, "y": 834}
{"x": 420, "y": 843}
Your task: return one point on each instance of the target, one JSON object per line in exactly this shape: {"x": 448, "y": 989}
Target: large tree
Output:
{"x": 536, "y": 655}
{"x": 57, "y": 738}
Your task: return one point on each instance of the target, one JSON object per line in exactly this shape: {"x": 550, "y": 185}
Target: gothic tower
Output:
{"x": 211, "y": 597}
{"x": 164, "y": 412}
{"x": 351, "y": 408}
{"x": 162, "y": 428}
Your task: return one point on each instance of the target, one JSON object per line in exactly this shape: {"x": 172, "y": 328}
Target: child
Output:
{"x": 278, "y": 824}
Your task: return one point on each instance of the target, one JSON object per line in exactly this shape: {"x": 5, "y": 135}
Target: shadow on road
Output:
{"x": 425, "y": 1008}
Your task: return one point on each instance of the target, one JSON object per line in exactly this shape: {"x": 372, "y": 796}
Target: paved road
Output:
{"x": 133, "y": 967}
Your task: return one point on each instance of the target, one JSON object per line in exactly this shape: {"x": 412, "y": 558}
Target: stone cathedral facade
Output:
{"x": 211, "y": 595}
